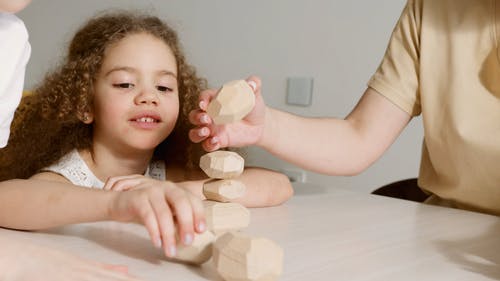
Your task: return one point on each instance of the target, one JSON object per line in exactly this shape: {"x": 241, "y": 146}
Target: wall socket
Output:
{"x": 299, "y": 91}
{"x": 295, "y": 175}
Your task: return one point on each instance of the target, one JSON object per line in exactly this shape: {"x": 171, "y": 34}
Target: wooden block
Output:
{"x": 222, "y": 217}
{"x": 238, "y": 256}
{"x": 222, "y": 164}
{"x": 233, "y": 102}
{"x": 199, "y": 251}
{"x": 223, "y": 190}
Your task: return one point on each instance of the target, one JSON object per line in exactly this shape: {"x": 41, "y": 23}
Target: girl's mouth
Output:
{"x": 147, "y": 120}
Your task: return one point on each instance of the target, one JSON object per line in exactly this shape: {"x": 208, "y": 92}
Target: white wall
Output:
{"x": 338, "y": 42}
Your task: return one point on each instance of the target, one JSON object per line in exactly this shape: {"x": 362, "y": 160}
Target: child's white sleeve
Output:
{"x": 14, "y": 54}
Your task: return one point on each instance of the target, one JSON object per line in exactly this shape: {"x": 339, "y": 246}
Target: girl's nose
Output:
{"x": 147, "y": 96}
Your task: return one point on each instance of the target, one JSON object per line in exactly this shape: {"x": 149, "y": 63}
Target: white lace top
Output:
{"x": 72, "y": 167}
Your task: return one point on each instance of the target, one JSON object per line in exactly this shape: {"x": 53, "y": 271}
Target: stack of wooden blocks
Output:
{"x": 236, "y": 256}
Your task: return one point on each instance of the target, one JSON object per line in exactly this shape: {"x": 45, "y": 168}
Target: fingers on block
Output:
{"x": 197, "y": 252}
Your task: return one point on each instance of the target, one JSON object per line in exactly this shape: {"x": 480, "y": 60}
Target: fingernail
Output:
{"x": 172, "y": 251}
{"x": 201, "y": 226}
{"x": 253, "y": 85}
{"x": 188, "y": 239}
{"x": 158, "y": 243}
{"x": 203, "y": 132}
{"x": 214, "y": 140}
{"x": 202, "y": 105}
{"x": 204, "y": 119}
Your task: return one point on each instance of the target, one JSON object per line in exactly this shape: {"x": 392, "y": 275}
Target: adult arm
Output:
{"x": 330, "y": 146}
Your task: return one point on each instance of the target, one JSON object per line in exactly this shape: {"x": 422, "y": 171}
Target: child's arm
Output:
{"x": 46, "y": 201}
{"x": 263, "y": 187}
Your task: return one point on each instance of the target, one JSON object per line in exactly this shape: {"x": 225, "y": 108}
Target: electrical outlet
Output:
{"x": 295, "y": 175}
{"x": 299, "y": 91}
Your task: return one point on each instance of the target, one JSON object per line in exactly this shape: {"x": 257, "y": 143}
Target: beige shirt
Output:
{"x": 443, "y": 61}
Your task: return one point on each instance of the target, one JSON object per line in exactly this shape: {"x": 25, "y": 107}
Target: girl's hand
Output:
{"x": 245, "y": 132}
{"x": 123, "y": 183}
{"x": 130, "y": 182}
{"x": 155, "y": 204}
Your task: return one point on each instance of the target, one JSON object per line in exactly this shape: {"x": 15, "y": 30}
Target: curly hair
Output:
{"x": 48, "y": 124}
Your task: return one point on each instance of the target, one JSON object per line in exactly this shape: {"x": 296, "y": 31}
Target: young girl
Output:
{"x": 109, "y": 117}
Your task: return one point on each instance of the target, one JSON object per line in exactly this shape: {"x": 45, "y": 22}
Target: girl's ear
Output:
{"x": 87, "y": 118}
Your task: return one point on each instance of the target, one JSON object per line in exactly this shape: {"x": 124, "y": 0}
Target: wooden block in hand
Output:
{"x": 199, "y": 251}
{"x": 233, "y": 102}
{"x": 223, "y": 190}
{"x": 222, "y": 217}
{"x": 238, "y": 256}
{"x": 222, "y": 164}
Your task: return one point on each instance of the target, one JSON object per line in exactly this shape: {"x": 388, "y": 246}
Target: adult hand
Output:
{"x": 154, "y": 204}
{"x": 248, "y": 131}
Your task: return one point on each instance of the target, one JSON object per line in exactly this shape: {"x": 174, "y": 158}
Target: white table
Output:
{"x": 335, "y": 235}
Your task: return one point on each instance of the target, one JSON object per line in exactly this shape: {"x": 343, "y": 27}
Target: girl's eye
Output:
{"x": 163, "y": 89}
{"x": 124, "y": 85}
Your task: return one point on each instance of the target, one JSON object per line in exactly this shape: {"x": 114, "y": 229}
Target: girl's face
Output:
{"x": 136, "y": 101}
